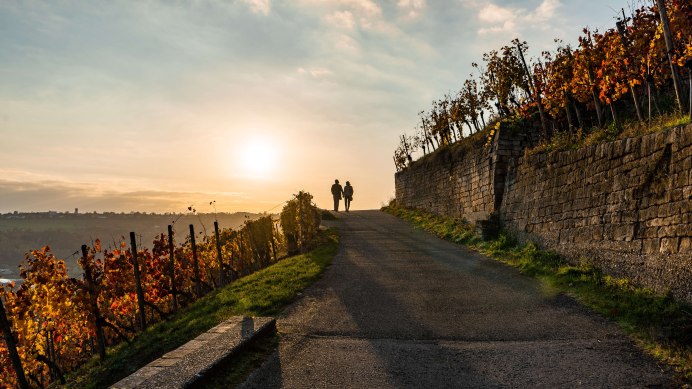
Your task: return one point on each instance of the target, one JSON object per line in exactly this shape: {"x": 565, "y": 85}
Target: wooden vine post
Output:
{"x": 534, "y": 90}
{"x": 195, "y": 262}
{"x": 688, "y": 65}
{"x": 138, "y": 282}
{"x": 635, "y": 98}
{"x": 300, "y": 221}
{"x": 171, "y": 253}
{"x": 222, "y": 273}
{"x": 93, "y": 302}
{"x": 669, "y": 52}
{"x": 233, "y": 259}
{"x": 271, "y": 238}
{"x": 12, "y": 347}
{"x": 240, "y": 248}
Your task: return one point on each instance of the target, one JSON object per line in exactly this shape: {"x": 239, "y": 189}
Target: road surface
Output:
{"x": 400, "y": 308}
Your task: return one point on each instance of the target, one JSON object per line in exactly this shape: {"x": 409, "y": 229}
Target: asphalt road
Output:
{"x": 401, "y": 308}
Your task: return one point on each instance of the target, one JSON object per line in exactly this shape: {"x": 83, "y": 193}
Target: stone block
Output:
{"x": 667, "y": 231}
{"x": 651, "y": 246}
{"x": 685, "y": 245}
{"x": 669, "y": 245}
{"x": 686, "y": 164}
{"x": 619, "y": 149}
{"x": 651, "y": 232}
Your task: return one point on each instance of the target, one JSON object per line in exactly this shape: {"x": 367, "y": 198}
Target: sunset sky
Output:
{"x": 157, "y": 105}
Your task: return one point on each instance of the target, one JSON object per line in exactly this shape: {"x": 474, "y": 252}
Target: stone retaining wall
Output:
{"x": 625, "y": 206}
{"x": 462, "y": 181}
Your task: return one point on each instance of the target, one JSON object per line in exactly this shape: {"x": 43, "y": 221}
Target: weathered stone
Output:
{"x": 669, "y": 245}
{"x": 685, "y": 245}
{"x": 651, "y": 246}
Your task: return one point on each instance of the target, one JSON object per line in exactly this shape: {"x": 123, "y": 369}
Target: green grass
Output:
{"x": 563, "y": 141}
{"x": 264, "y": 293}
{"x": 659, "y": 324}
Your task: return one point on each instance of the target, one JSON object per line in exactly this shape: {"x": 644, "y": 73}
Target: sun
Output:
{"x": 258, "y": 157}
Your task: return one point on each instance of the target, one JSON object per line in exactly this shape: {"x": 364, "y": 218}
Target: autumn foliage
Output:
{"x": 56, "y": 317}
{"x": 623, "y": 72}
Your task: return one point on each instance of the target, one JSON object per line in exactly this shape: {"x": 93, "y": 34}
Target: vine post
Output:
{"x": 669, "y": 51}
{"x": 271, "y": 234}
{"x": 138, "y": 282}
{"x": 689, "y": 76}
{"x": 195, "y": 262}
{"x": 300, "y": 221}
{"x": 533, "y": 89}
{"x": 233, "y": 260}
{"x": 12, "y": 348}
{"x": 222, "y": 274}
{"x": 171, "y": 252}
{"x": 93, "y": 302}
{"x": 623, "y": 38}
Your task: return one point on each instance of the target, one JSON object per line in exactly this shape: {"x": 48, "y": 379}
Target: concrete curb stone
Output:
{"x": 193, "y": 362}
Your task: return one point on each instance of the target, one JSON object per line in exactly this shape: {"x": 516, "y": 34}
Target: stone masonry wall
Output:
{"x": 458, "y": 185}
{"x": 625, "y": 206}
{"x": 461, "y": 182}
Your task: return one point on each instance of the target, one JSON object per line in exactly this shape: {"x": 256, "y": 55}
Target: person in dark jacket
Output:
{"x": 348, "y": 195}
{"x": 337, "y": 192}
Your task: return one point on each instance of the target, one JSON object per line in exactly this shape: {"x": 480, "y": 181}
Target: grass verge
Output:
{"x": 659, "y": 324}
{"x": 563, "y": 141}
{"x": 264, "y": 293}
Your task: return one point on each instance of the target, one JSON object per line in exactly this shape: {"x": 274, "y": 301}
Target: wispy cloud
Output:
{"x": 497, "y": 19}
{"x": 315, "y": 72}
{"x": 411, "y": 9}
{"x": 262, "y": 7}
{"x": 341, "y": 19}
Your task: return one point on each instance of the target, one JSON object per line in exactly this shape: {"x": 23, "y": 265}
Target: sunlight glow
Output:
{"x": 258, "y": 158}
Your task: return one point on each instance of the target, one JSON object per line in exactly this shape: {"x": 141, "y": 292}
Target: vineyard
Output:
{"x": 54, "y": 322}
{"x": 634, "y": 73}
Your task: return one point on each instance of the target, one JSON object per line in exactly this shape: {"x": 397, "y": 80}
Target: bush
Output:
{"x": 300, "y": 220}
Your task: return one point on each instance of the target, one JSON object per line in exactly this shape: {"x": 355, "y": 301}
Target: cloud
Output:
{"x": 412, "y": 9}
{"x": 494, "y": 14}
{"x": 347, "y": 14}
{"x": 341, "y": 19}
{"x": 259, "y": 6}
{"x": 367, "y": 8}
{"x": 346, "y": 44}
{"x": 316, "y": 72}
{"x": 510, "y": 20}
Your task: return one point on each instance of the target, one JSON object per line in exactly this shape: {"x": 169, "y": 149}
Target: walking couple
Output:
{"x": 346, "y": 192}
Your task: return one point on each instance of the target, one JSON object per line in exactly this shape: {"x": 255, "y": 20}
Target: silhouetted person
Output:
{"x": 337, "y": 191}
{"x": 348, "y": 195}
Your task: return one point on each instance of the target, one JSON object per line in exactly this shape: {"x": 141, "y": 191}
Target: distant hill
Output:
{"x": 66, "y": 232}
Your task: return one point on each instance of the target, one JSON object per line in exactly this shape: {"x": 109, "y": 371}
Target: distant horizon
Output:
{"x": 80, "y": 213}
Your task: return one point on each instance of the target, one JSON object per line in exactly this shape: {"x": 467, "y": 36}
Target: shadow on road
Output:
{"x": 400, "y": 308}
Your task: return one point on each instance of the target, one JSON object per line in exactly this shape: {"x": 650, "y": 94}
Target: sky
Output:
{"x": 155, "y": 105}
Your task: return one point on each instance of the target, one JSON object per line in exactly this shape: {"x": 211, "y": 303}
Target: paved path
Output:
{"x": 401, "y": 308}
